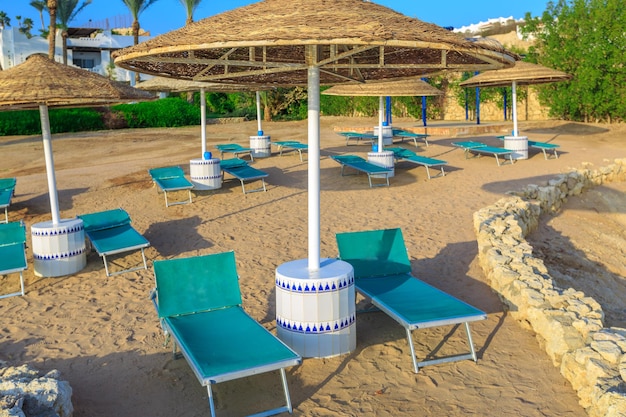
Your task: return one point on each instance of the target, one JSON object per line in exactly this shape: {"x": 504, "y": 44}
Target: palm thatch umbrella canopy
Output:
{"x": 310, "y": 42}
{"x": 522, "y": 73}
{"x": 41, "y": 83}
{"x": 275, "y": 41}
{"x": 395, "y": 88}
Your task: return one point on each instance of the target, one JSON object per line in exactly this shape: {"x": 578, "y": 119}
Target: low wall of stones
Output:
{"x": 567, "y": 324}
{"x": 23, "y": 393}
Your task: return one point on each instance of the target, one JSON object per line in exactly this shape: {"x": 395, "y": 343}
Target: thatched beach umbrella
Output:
{"x": 41, "y": 83}
{"x": 395, "y": 88}
{"x": 523, "y": 73}
{"x": 309, "y": 42}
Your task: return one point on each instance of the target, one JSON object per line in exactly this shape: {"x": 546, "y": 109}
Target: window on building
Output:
{"x": 84, "y": 63}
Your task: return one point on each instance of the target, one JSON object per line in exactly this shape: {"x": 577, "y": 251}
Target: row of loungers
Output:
{"x": 199, "y": 303}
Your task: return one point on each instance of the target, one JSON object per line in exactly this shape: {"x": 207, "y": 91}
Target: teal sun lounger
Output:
{"x": 241, "y": 170}
{"x": 13, "y": 253}
{"x": 402, "y": 154}
{"x": 479, "y": 148}
{"x": 291, "y": 145}
{"x": 358, "y": 137}
{"x": 406, "y": 135}
{"x": 199, "y": 304}
{"x": 111, "y": 233}
{"x": 169, "y": 180}
{"x": 382, "y": 273}
{"x": 361, "y": 165}
{"x": 7, "y": 189}
{"x": 544, "y": 147}
{"x": 235, "y": 149}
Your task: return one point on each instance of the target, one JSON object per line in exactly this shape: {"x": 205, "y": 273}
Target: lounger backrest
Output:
{"x": 12, "y": 233}
{"x": 196, "y": 284}
{"x": 104, "y": 219}
{"x": 166, "y": 172}
{"x": 374, "y": 253}
{"x": 7, "y": 183}
{"x": 233, "y": 163}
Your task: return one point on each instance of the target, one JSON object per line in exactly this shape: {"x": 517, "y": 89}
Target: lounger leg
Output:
{"x": 410, "y": 339}
{"x": 556, "y": 155}
{"x": 443, "y": 173}
{"x": 143, "y": 256}
{"x": 211, "y": 403}
{"x": 470, "y": 341}
{"x": 427, "y": 171}
{"x": 6, "y": 215}
{"x": 283, "y": 377}
{"x": 166, "y": 203}
{"x": 106, "y": 267}
{"x": 22, "y": 283}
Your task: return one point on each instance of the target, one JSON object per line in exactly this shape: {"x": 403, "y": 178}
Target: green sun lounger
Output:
{"x": 198, "y": 301}
{"x": 382, "y": 273}
{"x": 404, "y": 135}
{"x": 544, "y": 147}
{"x": 241, "y": 170}
{"x": 235, "y": 149}
{"x": 291, "y": 145}
{"x": 7, "y": 189}
{"x": 358, "y": 137}
{"x": 111, "y": 233}
{"x": 169, "y": 180}
{"x": 402, "y": 154}
{"x": 13, "y": 252}
{"x": 361, "y": 165}
{"x": 479, "y": 148}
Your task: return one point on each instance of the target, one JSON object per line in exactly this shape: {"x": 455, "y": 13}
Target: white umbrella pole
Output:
{"x": 381, "y": 109}
{"x": 514, "y": 99}
{"x": 313, "y": 116}
{"x": 47, "y": 150}
{"x": 258, "y": 113}
{"x": 203, "y": 119}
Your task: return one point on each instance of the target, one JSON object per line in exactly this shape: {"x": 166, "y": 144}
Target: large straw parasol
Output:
{"x": 41, "y": 83}
{"x": 522, "y": 73}
{"x": 310, "y": 42}
{"x": 395, "y": 88}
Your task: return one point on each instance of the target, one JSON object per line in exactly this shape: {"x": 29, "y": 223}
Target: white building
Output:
{"x": 87, "y": 48}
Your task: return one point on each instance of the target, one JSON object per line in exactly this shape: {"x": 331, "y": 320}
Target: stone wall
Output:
{"x": 568, "y": 324}
{"x": 23, "y": 393}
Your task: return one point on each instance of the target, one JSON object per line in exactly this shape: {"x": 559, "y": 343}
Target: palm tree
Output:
{"x": 52, "y": 9}
{"x": 190, "y": 7}
{"x": 66, "y": 12}
{"x": 5, "y": 21}
{"x": 136, "y": 7}
{"x": 40, "y": 5}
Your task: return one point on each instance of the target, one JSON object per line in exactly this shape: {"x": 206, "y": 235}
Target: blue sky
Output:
{"x": 166, "y": 15}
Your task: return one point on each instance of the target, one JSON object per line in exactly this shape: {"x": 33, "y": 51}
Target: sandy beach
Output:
{"x": 104, "y": 337}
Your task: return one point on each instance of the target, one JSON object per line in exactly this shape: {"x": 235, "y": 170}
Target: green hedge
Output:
{"x": 28, "y": 122}
{"x": 167, "y": 112}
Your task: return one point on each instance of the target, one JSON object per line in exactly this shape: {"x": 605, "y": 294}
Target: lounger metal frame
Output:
{"x": 543, "y": 146}
{"x": 357, "y": 136}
